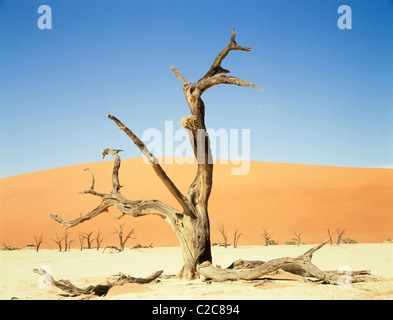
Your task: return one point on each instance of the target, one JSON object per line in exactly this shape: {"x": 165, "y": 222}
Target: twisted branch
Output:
{"x": 135, "y": 208}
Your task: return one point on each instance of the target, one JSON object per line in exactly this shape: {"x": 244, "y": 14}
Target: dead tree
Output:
{"x": 223, "y": 232}
{"x": 67, "y": 243}
{"x": 99, "y": 238}
{"x": 81, "y": 240}
{"x": 266, "y": 235}
{"x": 38, "y": 241}
{"x": 236, "y": 237}
{"x": 11, "y": 248}
{"x": 298, "y": 238}
{"x": 58, "y": 241}
{"x": 190, "y": 220}
{"x": 191, "y": 223}
{"x": 120, "y": 234}
{"x": 88, "y": 237}
{"x": 340, "y": 233}
{"x": 330, "y": 234}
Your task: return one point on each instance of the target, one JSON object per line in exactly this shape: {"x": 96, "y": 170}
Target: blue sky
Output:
{"x": 327, "y": 100}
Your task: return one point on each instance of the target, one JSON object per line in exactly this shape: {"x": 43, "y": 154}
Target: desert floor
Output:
{"x": 87, "y": 267}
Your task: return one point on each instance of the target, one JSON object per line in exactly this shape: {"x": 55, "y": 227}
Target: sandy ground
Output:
{"x": 92, "y": 267}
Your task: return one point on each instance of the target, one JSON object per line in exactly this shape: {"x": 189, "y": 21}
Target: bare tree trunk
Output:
{"x": 191, "y": 224}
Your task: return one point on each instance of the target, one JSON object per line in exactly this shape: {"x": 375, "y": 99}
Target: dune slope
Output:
{"x": 283, "y": 198}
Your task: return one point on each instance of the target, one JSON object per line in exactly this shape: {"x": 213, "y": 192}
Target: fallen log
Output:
{"x": 301, "y": 265}
{"x": 139, "y": 246}
{"x": 100, "y": 289}
{"x": 112, "y": 249}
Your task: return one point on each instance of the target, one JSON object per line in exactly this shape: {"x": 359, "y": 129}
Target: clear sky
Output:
{"x": 328, "y": 93}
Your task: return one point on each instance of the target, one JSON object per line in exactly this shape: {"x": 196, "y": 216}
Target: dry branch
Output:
{"x": 223, "y": 79}
{"x": 134, "y": 208}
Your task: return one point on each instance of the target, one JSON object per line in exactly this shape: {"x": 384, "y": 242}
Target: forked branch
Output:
{"x": 216, "y": 66}
{"x": 215, "y": 74}
{"x": 181, "y": 199}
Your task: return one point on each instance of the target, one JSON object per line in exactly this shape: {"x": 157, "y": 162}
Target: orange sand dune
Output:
{"x": 281, "y": 197}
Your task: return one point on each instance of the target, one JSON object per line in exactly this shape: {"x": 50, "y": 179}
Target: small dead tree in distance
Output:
{"x": 298, "y": 238}
{"x": 88, "y": 237}
{"x": 340, "y": 233}
{"x": 38, "y": 241}
{"x": 330, "y": 234}
{"x": 67, "y": 243}
{"x": 236, "y": 237}
{"x": 99, "y": 238}
{"x": 224, "y": 234}
{"x": 190, "y": 223}
{"x": 81, "y": 240}
{"x": 266, "y": 235}
{"x": 58, "y": 241}
{"x": 120, "y": 234}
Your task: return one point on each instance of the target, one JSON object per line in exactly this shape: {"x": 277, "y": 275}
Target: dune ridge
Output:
{"x": 281, "y": 197}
